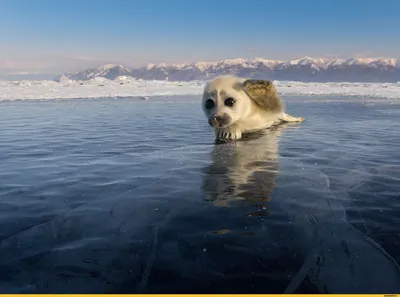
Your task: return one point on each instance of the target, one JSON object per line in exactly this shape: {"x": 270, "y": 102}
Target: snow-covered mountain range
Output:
{"x": 304, "y": 69}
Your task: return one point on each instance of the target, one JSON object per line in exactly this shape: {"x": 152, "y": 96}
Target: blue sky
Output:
{"x": 49, "y": 36}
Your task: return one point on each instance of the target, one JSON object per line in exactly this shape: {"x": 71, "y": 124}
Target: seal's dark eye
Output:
{"x": 229, "y": 102}
{"x": 209, "y": 104}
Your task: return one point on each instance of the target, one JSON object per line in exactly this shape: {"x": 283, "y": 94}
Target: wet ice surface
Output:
{"x": 123, "y": 86}
{"x": 125, "y": 196}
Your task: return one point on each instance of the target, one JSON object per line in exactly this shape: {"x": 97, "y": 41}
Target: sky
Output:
{"x": 47, "y": 37}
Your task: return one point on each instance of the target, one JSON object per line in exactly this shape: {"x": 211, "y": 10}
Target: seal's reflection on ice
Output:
{"x": 336, "y": 257}
{"x": 244, "y": 170}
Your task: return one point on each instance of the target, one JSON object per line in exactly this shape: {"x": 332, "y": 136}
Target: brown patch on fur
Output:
{"x": 264, "y": 93}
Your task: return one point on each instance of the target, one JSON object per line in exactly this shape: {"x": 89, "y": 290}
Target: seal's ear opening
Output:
{"x": 264, "y": 93}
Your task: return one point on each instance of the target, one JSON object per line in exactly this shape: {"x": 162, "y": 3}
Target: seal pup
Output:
{"x": 235, "y": 106}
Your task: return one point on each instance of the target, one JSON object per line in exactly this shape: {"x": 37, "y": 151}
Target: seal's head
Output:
{"x": 224, "y": 101}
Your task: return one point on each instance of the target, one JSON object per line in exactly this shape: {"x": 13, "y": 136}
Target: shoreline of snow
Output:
{"x": 128, "y": 87}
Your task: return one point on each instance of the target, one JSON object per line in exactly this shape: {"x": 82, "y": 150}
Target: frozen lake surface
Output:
{"x": 131, "y": 195}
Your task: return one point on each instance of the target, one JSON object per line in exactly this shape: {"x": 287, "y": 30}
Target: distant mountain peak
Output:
{"x": 109, "y": 71}
{"x": 299, "y": 69}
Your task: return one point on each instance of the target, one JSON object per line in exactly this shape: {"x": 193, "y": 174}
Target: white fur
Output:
{"x": 246, "y": 115}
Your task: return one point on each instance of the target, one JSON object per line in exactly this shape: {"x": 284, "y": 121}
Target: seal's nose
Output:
{"x": 214, "y": 121}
